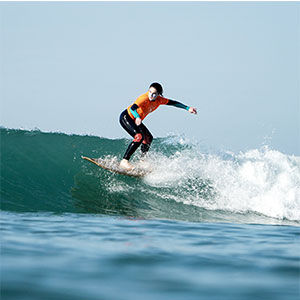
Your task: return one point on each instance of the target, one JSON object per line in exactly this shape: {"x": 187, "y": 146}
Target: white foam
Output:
{"x": 263, "y": 181}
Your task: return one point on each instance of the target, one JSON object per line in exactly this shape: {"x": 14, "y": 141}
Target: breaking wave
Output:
{"x": 44, "y": 172}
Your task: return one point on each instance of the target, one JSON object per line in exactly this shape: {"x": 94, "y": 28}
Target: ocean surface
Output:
{"x": 201, "y": 225}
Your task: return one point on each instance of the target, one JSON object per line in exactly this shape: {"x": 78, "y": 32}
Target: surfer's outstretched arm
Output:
{"x": 192, "y": 110}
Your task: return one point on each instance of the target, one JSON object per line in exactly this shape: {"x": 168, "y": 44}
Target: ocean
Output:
{"x": 201, "y": 225}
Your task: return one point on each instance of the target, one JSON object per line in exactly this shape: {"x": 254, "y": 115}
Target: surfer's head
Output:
{"x": 155, "y": 89}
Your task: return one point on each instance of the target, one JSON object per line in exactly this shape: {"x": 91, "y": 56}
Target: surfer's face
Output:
{"x": 152, "y": 94}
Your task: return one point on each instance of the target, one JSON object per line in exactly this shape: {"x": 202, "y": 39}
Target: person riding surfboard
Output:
{"x": 132, "y": 117}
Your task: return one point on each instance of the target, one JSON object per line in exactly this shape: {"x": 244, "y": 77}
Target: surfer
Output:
{"x": 132, "y": 117}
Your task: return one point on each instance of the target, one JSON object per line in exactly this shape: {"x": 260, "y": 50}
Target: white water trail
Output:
{"x": 262, "y": 181}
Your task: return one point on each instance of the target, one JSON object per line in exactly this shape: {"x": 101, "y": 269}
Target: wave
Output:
{"x": 44, "y": 172}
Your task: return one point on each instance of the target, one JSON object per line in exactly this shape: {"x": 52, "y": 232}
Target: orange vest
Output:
{"x": 145, "y": 106}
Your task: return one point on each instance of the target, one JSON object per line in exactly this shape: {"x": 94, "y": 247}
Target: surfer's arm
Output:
{"x": 133, "y": 110}
{"x": 181, "y": 105}
{"x": 177, "y": 104}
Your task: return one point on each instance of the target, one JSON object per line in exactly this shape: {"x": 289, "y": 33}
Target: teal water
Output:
{"x": 200, "y": 226}
{"x": 85, "y": 256}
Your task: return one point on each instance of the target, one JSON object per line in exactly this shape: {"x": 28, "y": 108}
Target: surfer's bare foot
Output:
{"x": 125, "y": 164}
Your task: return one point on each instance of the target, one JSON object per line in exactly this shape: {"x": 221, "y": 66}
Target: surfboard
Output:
{"x": 113, "y": 167}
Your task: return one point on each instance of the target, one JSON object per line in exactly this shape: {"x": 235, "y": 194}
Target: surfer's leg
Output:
{"x": 129, "y": 125}
{"x": 138, "y": 138}
{"x": 147, "y": 139}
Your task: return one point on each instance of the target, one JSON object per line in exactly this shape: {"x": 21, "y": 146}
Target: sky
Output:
{"x": 73, "y": 67}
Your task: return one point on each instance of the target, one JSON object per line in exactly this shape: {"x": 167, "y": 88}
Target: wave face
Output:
{"x": 44, "y": 172}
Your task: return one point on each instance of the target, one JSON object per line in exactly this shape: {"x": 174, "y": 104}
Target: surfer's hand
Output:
{"x": 138, "y": 121}
{"x": 193, "y": 110}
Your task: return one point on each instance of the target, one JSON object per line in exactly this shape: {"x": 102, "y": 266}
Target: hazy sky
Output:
{"x": 74, "y": 66}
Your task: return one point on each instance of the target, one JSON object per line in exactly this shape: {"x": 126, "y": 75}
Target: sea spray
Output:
{"x": 262, "y": 180}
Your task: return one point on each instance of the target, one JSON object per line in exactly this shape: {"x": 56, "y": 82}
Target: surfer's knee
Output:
{"x": 138, "y": 138}
{"x": 148, "y": 139}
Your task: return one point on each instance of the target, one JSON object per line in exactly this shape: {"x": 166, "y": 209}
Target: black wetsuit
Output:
{"x": 140, "y": 133}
